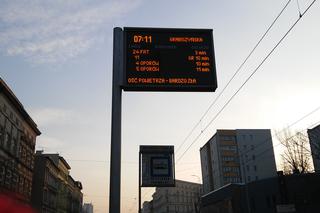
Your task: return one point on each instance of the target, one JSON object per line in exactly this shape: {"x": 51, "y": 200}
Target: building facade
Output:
{"x": 282, "y": 194}
{"x": 237, "y": 156}
{"x": 45, "y": 184}
{"x": 18, "y": 134}
{"x": 314, "y": 139}
{"x": 183, "y": 198}
{"x": 54, "y": 190}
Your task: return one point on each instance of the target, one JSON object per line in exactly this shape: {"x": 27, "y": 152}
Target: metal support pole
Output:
{"x": 139, "y": 209}
{"x": 115, "y": 158}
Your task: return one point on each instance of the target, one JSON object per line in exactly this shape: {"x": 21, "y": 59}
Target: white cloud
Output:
{"x": 49, "y": 144}
{"x": 56, "y": 30}
{"x": 52, "y": 116}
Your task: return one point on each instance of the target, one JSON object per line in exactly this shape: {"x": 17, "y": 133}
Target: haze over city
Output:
{"x": 56, "y": 56}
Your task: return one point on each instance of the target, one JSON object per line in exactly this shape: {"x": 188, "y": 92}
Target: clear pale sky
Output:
{"x": 56, "y": 55}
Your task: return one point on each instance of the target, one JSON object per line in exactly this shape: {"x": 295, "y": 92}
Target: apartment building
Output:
{"x": 18, "y": 134}
{"x": 54, "y": 190}
{"x": 237, "y": 156}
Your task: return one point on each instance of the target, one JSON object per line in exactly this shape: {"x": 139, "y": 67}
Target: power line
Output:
{"x": 292, "y": 124}
{"x": 260, "y": 154}
{"x": 245, "y": 82}
{"x": 123, "y": 162}
{"x": 233, "y": 76}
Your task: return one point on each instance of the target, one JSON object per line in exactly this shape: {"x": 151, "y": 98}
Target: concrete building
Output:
{"x": 237, "y": 156}
{"x": 314, "y": 139}
{"x": 87, "y": 208}
{"x": 54, "y": 190}
{"x": 183, "y": 198}
{"x": 282, "y": 194}
{"x": 18, "y": 134}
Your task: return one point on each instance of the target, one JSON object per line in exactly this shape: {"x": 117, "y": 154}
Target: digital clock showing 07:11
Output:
{"x": 142, "y": 38}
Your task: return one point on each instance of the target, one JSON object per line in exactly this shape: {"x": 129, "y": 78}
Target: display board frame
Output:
{"x": 152, "y": 176}
{"x": 210, "y": 78}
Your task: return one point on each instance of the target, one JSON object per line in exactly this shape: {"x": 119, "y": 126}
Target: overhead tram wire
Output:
{"x": 292, "y": 124}
{"x": 250, "y": 76}
{"x": 234, "y": 75}
{"x": 123, "y": 162}
{"x": 266, "y": 150}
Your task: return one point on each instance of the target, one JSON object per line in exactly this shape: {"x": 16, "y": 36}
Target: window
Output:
{"x": 268, "y": 201}
{"x": 45, "y": 196}
{"x": 226, "y": 169}
{"x": 253, "y": 205}
{"x": 1, "y": 135}
{"x": 228, "y": 148}
{"x": 252, "y": 147}
{"x": 228, "y": 158}
{"x": 14, "y": 146}
{"x": 8, "y": 177}
{"x": 248, "y": 168}
{"x": 253, "y": 157}
{"x": 15, "y": 181}
{"x": 235, "y": 169}
{"x": 257, "y": 177}
{"x": 255, "y": 168}
{"x": 7, "y": 141}
{"x": 21, "y": 183}
{"x": 249, "y": 178}
{"x": 227, "y": 138}
{"x": 2, "y": 173}
{"x": 4, "y": 108}
{"x": 251, "y": 137}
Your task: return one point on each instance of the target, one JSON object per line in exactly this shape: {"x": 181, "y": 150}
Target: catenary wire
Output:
{"x": 279, "y": 143}
{"x": 250, "y": 76}
{"x": 292, "y": 124}
{"x": 233, "y": 76}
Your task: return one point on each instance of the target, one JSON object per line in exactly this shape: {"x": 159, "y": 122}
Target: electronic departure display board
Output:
{"x": 158, "y": 59}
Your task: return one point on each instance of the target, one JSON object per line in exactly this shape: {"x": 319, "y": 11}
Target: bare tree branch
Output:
{"x": 296, "y": 155}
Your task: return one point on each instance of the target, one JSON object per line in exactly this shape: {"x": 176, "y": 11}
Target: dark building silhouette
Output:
{"x": 18, "y": 134}
{"x": 285, "y": 193}
{"x": 54, "y": 190}
{"x": 314, "y": 139}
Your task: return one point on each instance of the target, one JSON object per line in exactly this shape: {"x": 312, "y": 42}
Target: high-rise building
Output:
{"x": 18, "y": 134}
{"x": 183, "y": 198}
{"x": 237, "y": 156}
{"x": 54, "y": 190}
{"x": 314, "y": 139}
{"x": 87, "y": 208}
